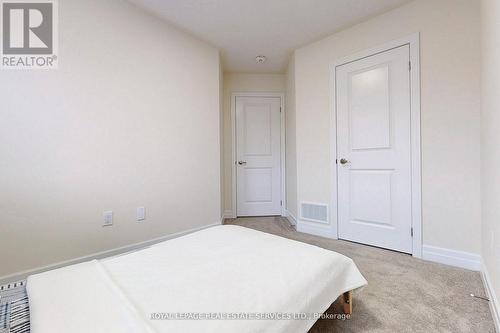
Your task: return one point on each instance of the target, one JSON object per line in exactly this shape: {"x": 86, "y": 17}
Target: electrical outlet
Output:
{"x": 141, "y": 214}
{"x": 107, "y": 218}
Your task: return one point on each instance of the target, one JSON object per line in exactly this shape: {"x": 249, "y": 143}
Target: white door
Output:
{"x": 258, "y": 161}
{"x": 373, "y": 150}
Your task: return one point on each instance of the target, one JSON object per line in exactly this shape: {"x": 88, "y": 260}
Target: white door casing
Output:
{"x": 258, "y": 156}
{"x": 374, "y": 143}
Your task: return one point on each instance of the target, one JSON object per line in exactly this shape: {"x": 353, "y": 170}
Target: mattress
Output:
{"x": 221, "y": 279}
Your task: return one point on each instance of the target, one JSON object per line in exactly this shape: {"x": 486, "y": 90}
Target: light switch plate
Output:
{"x": 141, "y": 214}
{"x": 107, "y": 218}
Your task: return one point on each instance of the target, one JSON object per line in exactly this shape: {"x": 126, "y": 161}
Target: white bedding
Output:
{"x": 220, "y": 270}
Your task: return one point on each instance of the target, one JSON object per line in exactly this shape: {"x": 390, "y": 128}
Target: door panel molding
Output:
{"x": 413, "y": 41}
{"x": 281, "y": 96}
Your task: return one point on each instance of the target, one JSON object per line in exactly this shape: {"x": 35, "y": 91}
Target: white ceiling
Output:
{"x": 243, "y": 29}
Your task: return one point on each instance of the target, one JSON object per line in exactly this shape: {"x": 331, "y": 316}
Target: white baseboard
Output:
{"x": 455, "y": 258}
{"x": 290, "y": 217}
{"x": 317, "y": 230}
{"x": 99, "y": 255}
{"x": 490, "y": 291}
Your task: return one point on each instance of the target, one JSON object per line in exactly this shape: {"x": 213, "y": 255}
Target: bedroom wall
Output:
{"x": 130, "y": 118}
{"x": 221, "y": 140}
{"x": 490, "y": 143}
{"x": 450, "y": 119}
{"x": 242, "y": 82}
{"x": 291, "y": 147}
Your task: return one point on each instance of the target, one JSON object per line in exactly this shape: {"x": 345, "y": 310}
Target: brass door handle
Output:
{"x": 344, "y": 161}
{"x": 242, "y": 162}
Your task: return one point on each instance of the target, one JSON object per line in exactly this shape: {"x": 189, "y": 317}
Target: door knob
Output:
{"x": 344, "y": 161}
{"x": 242, "y": 162}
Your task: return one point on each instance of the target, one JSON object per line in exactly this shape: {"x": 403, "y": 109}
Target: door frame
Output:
{"x": 415, "y": 135}
{"x": 281, "y": 96}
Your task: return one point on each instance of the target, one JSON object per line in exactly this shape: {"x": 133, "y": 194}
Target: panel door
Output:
{"x": 258, "y": 164}
{"x": 373, "y": 150}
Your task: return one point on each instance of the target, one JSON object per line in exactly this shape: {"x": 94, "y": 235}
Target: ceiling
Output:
{"x": 243, "y": 29}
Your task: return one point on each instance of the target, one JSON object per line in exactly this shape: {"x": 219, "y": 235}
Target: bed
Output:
{"x": 221, "y": 279}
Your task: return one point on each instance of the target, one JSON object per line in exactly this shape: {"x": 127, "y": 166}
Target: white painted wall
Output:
{"x": 242, "y": 82}
{"x": 221, "y": 140}
{"x": 130, "y": 118}
{"x": 291, "y": 147}
{"x": 490, "y": 141}
{"x": 450, "y": 94}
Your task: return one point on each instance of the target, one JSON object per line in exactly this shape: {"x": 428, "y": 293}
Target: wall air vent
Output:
{"x": 314, "y": 212}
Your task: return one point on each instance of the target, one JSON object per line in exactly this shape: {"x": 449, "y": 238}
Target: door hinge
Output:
{"x": 281, "y": 202}
{"x": 280, "y": 108}
{"x": 411, "y": 231}
{"x": 409, "y": 65}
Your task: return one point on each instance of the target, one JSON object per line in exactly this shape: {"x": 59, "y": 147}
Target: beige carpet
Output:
{"x": 404, "y": 294}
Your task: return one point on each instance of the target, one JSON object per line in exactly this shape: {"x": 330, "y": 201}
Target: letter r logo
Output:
{"x": 27, "y": 27}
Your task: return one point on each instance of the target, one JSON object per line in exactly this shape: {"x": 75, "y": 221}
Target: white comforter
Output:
{"x": 224, "y": 270}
